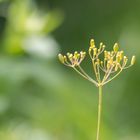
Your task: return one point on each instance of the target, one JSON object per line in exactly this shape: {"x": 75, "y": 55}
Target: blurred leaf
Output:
{"x": 28, "y": 22}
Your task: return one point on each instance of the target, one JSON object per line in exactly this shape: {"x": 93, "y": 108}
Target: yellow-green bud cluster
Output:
{"x": 94, "y": 52}
{"x": 115, "y": 59}
{"x": 113, "y": 62}
{"x": 72, "y": 60}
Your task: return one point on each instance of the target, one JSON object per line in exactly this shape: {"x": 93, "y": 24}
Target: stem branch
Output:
{"x": 86, "y": 76}
{"x": 112, "y": 77}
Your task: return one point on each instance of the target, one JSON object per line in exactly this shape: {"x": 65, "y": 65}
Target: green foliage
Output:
{"x": 41, "y": 100}
{"x": 25, "y": 20}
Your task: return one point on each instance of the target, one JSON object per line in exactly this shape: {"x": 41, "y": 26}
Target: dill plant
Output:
{"x": 107, "y": 65}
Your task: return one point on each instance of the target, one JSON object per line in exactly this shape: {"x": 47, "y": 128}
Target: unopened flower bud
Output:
{"x": 125, "y": 59}
{"x": 61, "y": 58}
{"x": 70, "y": 55}
{"x": 95, "y": 51}
{"x": 83, "y": 54}
{"x": 105, "y": 54}
{"x": 118, "y": 59}
{"x": 92, "y": 43}
{"x": 121, "y": 55}
{"x": 89, "y": 50}
{"x": 116, "y": 47}
{"x": 133, "y": 60}
{"x": 103, "y": 46}
{"x": 101, "y": 63}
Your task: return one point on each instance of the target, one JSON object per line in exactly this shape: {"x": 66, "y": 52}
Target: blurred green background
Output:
{"x": 40, "y": 99}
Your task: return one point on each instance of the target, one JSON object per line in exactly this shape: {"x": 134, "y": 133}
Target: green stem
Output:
{"x": 99, "y": 112}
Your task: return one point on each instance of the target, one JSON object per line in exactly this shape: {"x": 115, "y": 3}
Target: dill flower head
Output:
{"x": 111, "y": 64}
